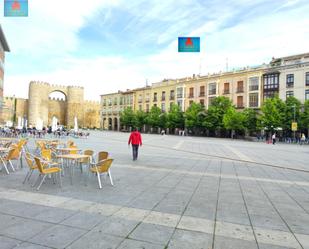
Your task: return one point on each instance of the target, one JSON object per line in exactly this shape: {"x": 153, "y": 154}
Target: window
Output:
{"x": 289, "y": 80}
{"x": 140, "y": 107}
{"x": 226, "y": 89}
{"x": 121, "y": 101}
{"x": 163, "y": 96}
{"x": 104, "y": 102}
{"x": 171, "y": 104}
{"x": 147, "y": 97}
{"x": 115, "y": 101}
{"x": 240, "y": 86}
{"x": 270, "y": 94}
{"x": 202, "y": 102}
{"x": 190, "y": 102}
{"x": 202, "y": 91}
{"x": 179, "y": 92}
{"x": 253, "y": 100}
{"x": 210, "y": 100}
{"x": 155, "y": 105}
{"x": 155, "y": 97}
{"x": 172, "y": 95}
{"x": 271, "y": 81}
{"x": 306, "y": 94}
{"x": 163, "y": 107}
{"x": 212, "y": 89}
{"x": 289, "y": 94}
{"x": 109, "y": 102}
{"x": 254, "y": 84}
{"x": 240, "y": 101}
{"x": 270, "y": 85}
{"x": 179, "y": 103}
{"x": 307, "y": 79}
{"x": 147, "y": 107}
{"x": 140, "y": 98}
{"x": 191, "y": 92}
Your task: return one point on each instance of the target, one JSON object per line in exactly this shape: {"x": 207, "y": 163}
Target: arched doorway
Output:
{"x": 57, "y": 107}
{"x": 115, "y": 124}
{"x": 110, "y": 124}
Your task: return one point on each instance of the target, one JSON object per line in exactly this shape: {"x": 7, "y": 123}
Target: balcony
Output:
{"x": 140, "y": 101}
{"x": 191, "y": 96}
{"x": 290, "y": 85}
{"x": 254, "y": 88}
{"x": 147, "y": 100}
{"x": 240, "y": 90}
{"x": 179, "y": 96}
{"x": 202, "y": 94}
{"x": 212, "y": 92}
{"x": 172, "y": 97}
{"x": 163, "y": 98}
{"x": 155, "y": 99}
{"x": 240, "y": 106}
{"x": 226, "y": 91}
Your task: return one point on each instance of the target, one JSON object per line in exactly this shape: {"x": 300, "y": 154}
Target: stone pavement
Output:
{"x": 182, "y": 192}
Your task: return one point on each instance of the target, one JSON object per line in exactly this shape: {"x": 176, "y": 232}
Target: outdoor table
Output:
{"x": 74, "y": 158}
{"x": 63, "y": 150}
{"x": 3, "y": 149}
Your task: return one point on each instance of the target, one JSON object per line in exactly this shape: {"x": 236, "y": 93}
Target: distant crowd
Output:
{"x": 33, "y": 132}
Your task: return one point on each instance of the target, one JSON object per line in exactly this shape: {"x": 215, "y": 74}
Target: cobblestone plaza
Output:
{"x": 182, "y": 192}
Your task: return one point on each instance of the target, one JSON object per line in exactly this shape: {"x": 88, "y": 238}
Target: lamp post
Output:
{"x": 294, "y": 108}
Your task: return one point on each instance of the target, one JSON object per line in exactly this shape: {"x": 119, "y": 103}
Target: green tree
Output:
{"x": 163, "y": 120}
{"x": 194, "y": 116}
{"x": 175, "y": 118}
{"x": 273, "y": 113}
{"x": 153, "y": 117}
{"x": 215, "y": 113}
{"x": 141, "y": 119}
{"x": 128, "y": 117}
{"x": 250, "y": 120}
{"x": 291, "y": 103}
{"x": 233, "y": 120}
{"x": 305, "y": 117}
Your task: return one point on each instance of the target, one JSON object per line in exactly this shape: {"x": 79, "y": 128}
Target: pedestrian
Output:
{"x": 136, "y": 140}
{"x": 302, "y": 139}
{"x": 274, "y": 138}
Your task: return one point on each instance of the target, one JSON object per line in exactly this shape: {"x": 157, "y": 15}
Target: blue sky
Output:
{"x": 110, "y": 45}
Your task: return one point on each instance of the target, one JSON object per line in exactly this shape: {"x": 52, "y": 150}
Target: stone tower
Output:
{"x": 38, "y": 107}
{"x": 75, "y": 100}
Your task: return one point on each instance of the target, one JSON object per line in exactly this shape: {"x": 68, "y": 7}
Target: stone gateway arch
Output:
{"x": 41, "y": 108}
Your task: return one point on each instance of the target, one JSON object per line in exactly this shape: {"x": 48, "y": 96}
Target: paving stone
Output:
{"x": 25, "y": 229}
{"x": 130, "y": 244}
{"x": 83, "y": 220}
{"x": 8, "y": 243}
{"x": 183, "y": 239}
{"x": 116, "y": 226}
{"x": 152, "y": 233}
{"x": 95, "y": 240}
{"x": 54, "y": 215}
{"x": 57, "y": 236}
{"x": 27, "y": 245}
{"x": 231, "y": 243}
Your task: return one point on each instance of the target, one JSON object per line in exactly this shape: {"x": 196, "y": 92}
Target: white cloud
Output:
{"x": 50, "y": 32}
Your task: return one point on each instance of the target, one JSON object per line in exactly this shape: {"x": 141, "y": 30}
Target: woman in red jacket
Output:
{"x": 136, "y": 140}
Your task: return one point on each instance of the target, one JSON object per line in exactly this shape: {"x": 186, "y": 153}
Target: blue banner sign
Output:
{"x": 188, "y": 44}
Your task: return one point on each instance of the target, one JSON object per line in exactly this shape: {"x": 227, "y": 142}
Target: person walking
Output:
{"x": 136, "y": 140}
{"x": 274, "y": 138}
{"x": 302, "y": 139}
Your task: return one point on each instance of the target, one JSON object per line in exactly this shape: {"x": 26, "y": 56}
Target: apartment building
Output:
{"x": 246, "y": 87}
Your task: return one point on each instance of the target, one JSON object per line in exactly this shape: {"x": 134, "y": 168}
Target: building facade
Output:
{"x": 246, "y": 88}
{"x": 41, "y": 108}
{"x": 4, "y": 47}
